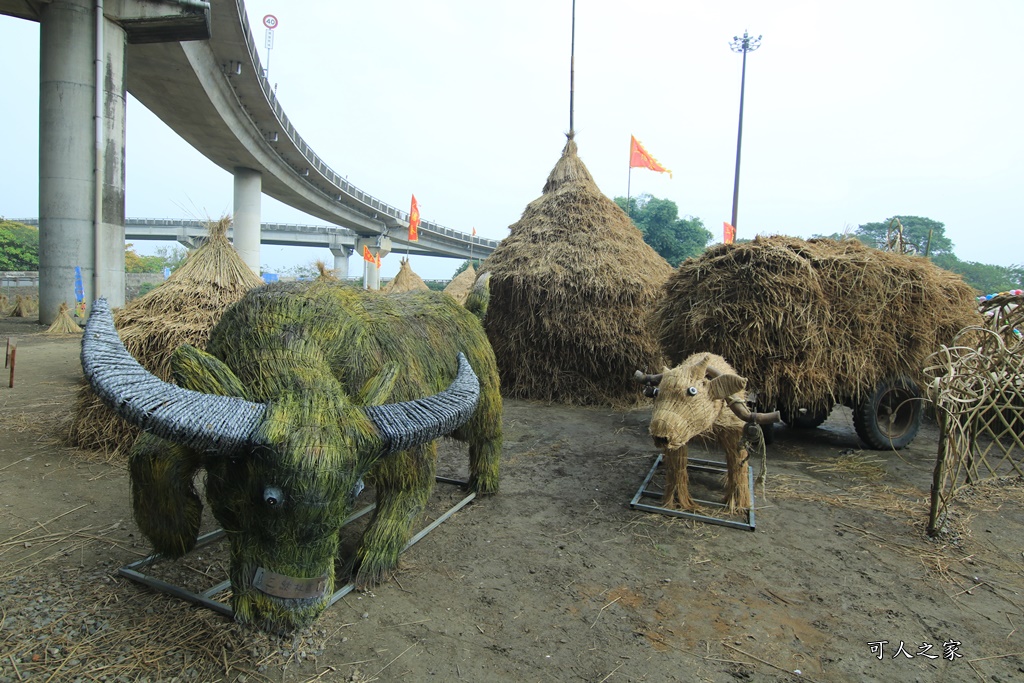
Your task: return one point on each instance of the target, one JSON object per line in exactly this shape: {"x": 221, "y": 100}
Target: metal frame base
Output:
{"x": 701, "y": 466}
{"x": 205, "y": 599}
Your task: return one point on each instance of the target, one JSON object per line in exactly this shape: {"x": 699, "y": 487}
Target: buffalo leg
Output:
{"x": 403, "y": 483}
{"x": 737, "y": 478}
{"x": 677, "y": 483}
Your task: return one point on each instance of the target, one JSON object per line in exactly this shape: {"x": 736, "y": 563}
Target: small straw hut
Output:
{"x": 181, "y": 310}
{"x": 570, "y": 290}
{"x": 812, "y": 321}
{"x": 405, "y": 281}
{"x": 64, "y": 323}
{"x": 461, "y": 284}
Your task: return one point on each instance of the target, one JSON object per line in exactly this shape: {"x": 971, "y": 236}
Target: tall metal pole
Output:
{"x": 745, "y": 44}
{"x": 572, "y": 65}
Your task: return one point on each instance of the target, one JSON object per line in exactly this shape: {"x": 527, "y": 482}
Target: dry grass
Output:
{"x": 461, "y": 285}
{"x": 570, "y": 291}
{"x": 405, "y": 281}
{"x": 815, "y": 321}
{"x": 64, "y": 323}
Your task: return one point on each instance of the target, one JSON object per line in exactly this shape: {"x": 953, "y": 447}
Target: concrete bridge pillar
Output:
{"x": 81, "y": 156}
{"x": 377, "y": 245}
{"x": 341, "y": 255}
{"x": 246, "y": 220}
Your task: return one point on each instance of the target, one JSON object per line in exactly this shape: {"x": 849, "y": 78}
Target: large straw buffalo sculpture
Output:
{"x": 701, "y": 397}
{"x": 306, "y": 389}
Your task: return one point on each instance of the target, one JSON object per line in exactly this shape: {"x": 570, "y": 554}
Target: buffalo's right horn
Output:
{"x": 739, "y": 407}
{"x": 204, "y": 422}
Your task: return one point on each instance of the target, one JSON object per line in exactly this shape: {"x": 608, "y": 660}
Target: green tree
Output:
{"x": 985, "y": 278}
{"x": 134, "y": 263}
{"x": 19, "y": 246}
{"x": 172, "y": 256}
{"x": 675, "y": 238}
{"x": 925, "y": 236}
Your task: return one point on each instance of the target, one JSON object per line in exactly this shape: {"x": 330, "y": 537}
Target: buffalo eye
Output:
{"x": 273, "y": 497}
{"x": 692, "y": 391}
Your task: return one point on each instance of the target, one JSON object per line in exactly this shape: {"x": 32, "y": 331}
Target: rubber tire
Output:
{"x": 891, "y": 416}
{"x": 806, "y": 420}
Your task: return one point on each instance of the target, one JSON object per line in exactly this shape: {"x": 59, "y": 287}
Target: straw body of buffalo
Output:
{"x": 306, "y": 389}
{"x": 701, "y": 397}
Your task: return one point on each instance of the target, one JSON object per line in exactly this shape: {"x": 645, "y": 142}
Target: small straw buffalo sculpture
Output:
{"x": 690, "y": 401}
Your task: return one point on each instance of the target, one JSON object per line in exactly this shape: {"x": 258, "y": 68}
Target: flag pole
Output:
{"x": 629, "y": 181}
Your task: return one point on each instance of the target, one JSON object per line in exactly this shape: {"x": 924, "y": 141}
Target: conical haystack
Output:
{"x": 323, "y": 272}
{"x": 24, "y": 306}
{"x": 64, "y": 323}
{"x": 810, "y": 322}
{"x": 405, "y": 281}
{"x": 570, "y": 291}
{"x": 461, "y": 284}
{"x": 181, "y": 310}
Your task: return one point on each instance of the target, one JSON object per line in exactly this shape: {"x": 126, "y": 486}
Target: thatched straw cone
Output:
{"x": 461, "y": 284}
{"x": 570, "y": 291}
{"x": 3, "y": 304}
{"x": 405, "y": 281}
{"x": 324, "y": 273}
{"x": 22, "y": 306}
{"x": 181, "y": 310}
{"x": 64, "y": 323}
{"x": 813, "y": 321}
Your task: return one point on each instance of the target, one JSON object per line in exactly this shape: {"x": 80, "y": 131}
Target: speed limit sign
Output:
{"x": 270, "y": 21}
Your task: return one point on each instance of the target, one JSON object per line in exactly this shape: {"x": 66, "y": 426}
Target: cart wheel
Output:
{"x": 891, "y": 416}
{"x": 809, "y": 419}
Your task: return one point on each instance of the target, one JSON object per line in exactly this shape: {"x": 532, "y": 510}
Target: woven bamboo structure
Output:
{"x": 978, "y": 391}
{"x": 570, "y": 291}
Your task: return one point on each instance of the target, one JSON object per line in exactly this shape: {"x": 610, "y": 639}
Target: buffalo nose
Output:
{"x": 273, "y": 496}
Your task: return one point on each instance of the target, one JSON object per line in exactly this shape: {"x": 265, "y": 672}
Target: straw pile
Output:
{"x": 461, "y": 284}
{"x": 181, "y": 310}
{"x": 810, "y": 323}
{"x": 24, "y": 306}
{"x": 570, "y": 291}
{"x": 64, "y": 323}
{"x": 405, "y": 281}
{"x": 3, "y": 304}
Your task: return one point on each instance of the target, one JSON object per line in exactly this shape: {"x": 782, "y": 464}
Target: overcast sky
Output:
{"x": 855, "y": 111}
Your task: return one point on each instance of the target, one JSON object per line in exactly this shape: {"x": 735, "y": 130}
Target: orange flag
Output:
{"x": 641, "y": 158}
{"x": 414, "y": 221}
{"x": 474, "y": 232}
{"x": 729, "y": 233}
{"x": 367, "y": 256}
{"x": 378, "y": 259}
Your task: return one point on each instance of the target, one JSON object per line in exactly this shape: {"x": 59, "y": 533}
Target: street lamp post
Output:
{"x": 745, "y": 44}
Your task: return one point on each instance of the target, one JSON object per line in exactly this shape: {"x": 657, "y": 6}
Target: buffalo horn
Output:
{"x": 739, "y": 407}
{"x": 204, "y": 422}
{"x": 647, "y": 379}
{"x": 411, "y": 423}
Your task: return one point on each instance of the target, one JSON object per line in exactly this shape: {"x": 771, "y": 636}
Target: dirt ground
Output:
{"x": 553, "y": 579}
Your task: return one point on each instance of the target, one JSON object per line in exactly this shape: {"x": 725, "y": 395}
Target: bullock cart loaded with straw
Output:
{"x": 816, "y": 323}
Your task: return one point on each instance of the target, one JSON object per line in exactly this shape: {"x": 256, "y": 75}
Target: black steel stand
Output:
{"x": 205, "y": 598}
{"x": 694, "y": 465}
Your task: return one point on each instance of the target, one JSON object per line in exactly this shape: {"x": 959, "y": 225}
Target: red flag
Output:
{"x": 414, "y": 221}
{"x": 474, "y": 232}
{"x": 367, "y": 256}
{"x": 378, "y": 259}
{"x": 641, "y": 158}
{"x": 729, "y": 233}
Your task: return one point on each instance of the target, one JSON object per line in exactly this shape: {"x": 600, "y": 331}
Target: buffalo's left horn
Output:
{"x": 739, "y": 407}
{"x": 411, "y": 423}
{"x": 647, "y": 379}
{"x": 204, "y": 422}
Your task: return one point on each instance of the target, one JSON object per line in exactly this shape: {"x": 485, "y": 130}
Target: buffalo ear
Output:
{"x": 724, "y": 386}
{"x": 378, "y": 388}
{"x": 199, "y": 371}
{"x": 166, "y": 506}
